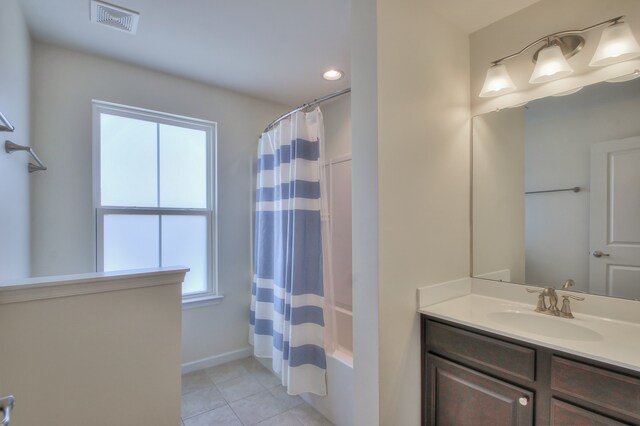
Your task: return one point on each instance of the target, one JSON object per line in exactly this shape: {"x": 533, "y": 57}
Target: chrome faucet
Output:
{"x": 542, "y": 307}
{"x": 552, "y": 309}
{"x": 565, "y": 311}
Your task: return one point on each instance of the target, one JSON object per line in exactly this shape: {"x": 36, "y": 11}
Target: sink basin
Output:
{"x": 544, "y": 325}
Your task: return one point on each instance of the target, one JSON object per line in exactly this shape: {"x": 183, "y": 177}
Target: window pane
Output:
{"x": 183, "y": 167}
{"x": 131, "y": 241}
{"x": 128, "y": 162}
{"x": 184, "y": 242}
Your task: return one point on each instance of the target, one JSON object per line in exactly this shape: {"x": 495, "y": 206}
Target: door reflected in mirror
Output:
{"x": 556, "y": 191}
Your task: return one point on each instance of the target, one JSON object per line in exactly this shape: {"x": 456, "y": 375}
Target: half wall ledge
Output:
{"x": 52, "y": 287}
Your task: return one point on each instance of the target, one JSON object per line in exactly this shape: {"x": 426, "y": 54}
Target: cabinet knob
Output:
{"x": 523, "y": 400}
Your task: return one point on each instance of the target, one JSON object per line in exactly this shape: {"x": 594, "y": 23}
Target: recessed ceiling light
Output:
{"x": 332, "y": 74}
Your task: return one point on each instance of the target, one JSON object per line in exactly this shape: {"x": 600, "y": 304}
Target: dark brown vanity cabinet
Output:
{"x": 460, "y": 396}
{"x": 475, "y": 378}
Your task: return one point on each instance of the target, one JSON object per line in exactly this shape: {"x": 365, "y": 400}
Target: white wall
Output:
{"x": 64, "y": 83}
{"x": 559, "y": 133}
{"x": 511, "y": 34}
{"x": 498, "y": 193}
{"x": 364, "y": 116}
{"x": 423, "y": 171}
{"x": 14, "y": 178}
{"x": 411, "y": 165}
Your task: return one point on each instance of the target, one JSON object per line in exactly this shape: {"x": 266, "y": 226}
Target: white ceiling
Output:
{"x": 472, "y": 15}
{"x": 270, "y": 49}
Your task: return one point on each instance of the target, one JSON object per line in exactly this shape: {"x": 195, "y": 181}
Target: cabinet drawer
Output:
{"x": 600, "y": 388}
{"x": 563, "y": 414}
{"x": 490, "y": 354}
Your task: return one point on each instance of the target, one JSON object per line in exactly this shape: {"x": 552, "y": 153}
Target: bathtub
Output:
{"x": 337, "y": 406}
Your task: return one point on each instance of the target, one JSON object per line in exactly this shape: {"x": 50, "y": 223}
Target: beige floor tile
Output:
{"x": 195, "y": 381}
{"x": 265, "y": 377}
{"x": 223, "y": 416}
{"x": 198, "y": 402}
{"x": 239, "y": 388}
{"x": 289, "y": 401}
{"x": 308, "y": 416}
{"x": 252, "y": 364}
{"x": 257, "y": 408}
{"x": 246, "y": 393}
{"x": 284, "y": 419}
{"x": 228, "y": 371}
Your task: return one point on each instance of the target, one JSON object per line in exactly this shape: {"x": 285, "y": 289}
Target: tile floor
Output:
{"x": 242, "y": 393}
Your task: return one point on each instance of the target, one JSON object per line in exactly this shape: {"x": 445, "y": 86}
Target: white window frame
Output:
{"x": 210, "y": 212}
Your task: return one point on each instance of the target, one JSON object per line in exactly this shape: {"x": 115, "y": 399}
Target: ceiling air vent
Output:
{"x": 114, "y": 16}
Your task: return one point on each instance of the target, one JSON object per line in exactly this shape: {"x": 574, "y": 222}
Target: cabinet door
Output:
{"x": 460, "y": 396}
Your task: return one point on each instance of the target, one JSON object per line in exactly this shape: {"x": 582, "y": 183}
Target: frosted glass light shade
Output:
{"x": 551, "y": 65}
{"x": 617, "y": 44}
{"x": 497, "y": 82}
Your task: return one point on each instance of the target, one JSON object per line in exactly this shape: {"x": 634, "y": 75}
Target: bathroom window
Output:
{"x": 154, "y": 181}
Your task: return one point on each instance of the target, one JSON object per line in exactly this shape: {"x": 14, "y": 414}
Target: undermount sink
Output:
{"x": 544, "y": 325}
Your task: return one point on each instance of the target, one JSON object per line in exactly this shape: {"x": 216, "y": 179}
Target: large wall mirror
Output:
{"x": 556, "y": 191}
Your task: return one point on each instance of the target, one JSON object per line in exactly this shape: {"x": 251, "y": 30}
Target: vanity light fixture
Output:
{"x": 569, "y": 92}
{"x": 551, "y": 65}
{"x": 332, "y": 74}
{"x": 627, "y": 77}
{"x": 617, "y": 44}
{"x": 498, "y": 82}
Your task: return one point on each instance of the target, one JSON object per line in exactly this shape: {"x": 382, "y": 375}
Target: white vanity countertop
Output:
{"x": 613, "y": 339}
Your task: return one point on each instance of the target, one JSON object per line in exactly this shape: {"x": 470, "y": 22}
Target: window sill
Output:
{"x": 201, "y": 302}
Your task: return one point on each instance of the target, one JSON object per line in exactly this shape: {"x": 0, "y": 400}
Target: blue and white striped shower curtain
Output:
{"x": 287, "y": 295}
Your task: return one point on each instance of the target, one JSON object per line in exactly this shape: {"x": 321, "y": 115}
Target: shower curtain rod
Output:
{"x": 305, "y": 106}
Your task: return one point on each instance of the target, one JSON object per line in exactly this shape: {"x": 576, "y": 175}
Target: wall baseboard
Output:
{"x": 212, "y": 361}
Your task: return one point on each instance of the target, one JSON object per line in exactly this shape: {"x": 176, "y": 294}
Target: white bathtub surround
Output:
{"x": 604, "y": 329}
{"x": 337, "y": 405}
{"x": 93, "y": 349}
